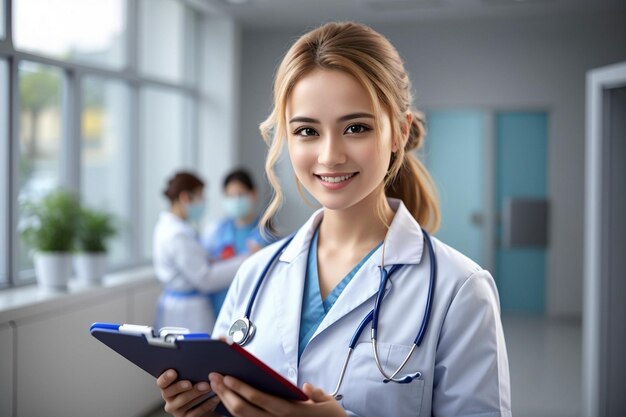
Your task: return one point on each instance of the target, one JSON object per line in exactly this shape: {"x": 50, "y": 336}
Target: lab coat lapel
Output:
{"x": 404, "y": 246}
{"x": 361, "y": 289}
{"x": 287, "y": 299}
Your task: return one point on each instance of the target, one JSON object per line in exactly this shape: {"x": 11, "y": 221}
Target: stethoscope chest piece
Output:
{"x": 241, "y": 331}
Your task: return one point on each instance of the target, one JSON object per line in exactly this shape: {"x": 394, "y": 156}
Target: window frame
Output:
{"x": 73, "y": 76}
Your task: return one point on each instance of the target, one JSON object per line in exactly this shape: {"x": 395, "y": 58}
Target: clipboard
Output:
{"x": 193, "y": 356}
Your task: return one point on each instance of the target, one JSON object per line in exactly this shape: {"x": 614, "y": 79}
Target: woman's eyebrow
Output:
{"x": 351, "y": 116}
{"x": 355, "y": 116}
{"x": 303, "y": 119}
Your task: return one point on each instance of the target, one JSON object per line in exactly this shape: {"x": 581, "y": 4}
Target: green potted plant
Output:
{"x": 95, "y": 228}
{"x": 49, "y": 229}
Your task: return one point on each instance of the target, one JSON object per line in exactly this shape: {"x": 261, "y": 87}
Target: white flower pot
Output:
{"x": 53, "y": 269}
{"x": 90, "y": 267}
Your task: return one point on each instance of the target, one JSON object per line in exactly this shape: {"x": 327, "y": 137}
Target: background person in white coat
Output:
{"x": 342, "y": 103}
{"x": 181, "y": 263}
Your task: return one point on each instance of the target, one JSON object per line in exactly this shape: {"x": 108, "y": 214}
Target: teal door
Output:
{"x": 457, "y": 155}
{"x": 521, "y": 165}
{"x": 455, "y": 158}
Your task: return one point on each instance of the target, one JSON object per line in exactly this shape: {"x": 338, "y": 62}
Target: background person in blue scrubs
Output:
{"x": 238, "y": 233}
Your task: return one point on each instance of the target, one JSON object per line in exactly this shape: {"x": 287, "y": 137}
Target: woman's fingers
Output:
{"x": 315, "y": 394}
{"x": 233, "y": 400}
{"x": 175, "y": 389}
{"x": 187, "y": 399}
{"x": 166, "y": 378}
{"x": 204, "y": 409}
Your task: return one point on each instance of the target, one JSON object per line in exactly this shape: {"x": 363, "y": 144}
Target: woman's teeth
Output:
{"x": 336, "y": 179}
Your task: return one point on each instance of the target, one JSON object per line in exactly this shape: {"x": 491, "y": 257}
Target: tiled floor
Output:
{"x": 545, "y": 366}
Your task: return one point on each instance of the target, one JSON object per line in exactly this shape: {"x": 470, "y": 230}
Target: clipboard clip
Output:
{"x": 166, "y": 337}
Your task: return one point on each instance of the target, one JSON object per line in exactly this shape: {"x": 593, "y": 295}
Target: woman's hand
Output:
{"x": 244, "y": 401}
{"x": 181, "y": 396}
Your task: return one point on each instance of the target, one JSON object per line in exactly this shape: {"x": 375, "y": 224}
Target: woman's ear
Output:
{"x": 405, "y": 129}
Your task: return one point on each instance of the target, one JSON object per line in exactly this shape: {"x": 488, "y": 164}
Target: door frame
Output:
{"x": 594, "y": 338}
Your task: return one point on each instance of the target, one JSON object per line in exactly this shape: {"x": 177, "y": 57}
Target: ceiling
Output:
{"x": 265, "y": 14}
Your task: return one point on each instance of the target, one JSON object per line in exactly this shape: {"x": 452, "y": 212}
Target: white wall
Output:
{"x": 522, "y": 63}
{"x": 51, "y": 366}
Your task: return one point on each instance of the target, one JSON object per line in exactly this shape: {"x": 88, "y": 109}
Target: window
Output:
{"x": 106, "y": 157}
{"x": 97, "y": 109}
{"x": 166, "y": 148}
{"x": 89, "y": 31}
{"x": 4, "y": 171}
{"x": 165, "y": 24}
{"x": 40, "y": 133}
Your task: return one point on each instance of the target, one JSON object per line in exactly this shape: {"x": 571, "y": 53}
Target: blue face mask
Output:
{"x": 195, "y": 210}
{"x": 237, "y": 207}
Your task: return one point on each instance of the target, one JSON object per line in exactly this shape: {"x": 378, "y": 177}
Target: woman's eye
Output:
{"x": 354, "y": 129}
{"x": 305, "y": 131}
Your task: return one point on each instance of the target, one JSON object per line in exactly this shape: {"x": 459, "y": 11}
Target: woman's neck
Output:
{"x": 356, "y": 226}
{"x": 177, "y": 210}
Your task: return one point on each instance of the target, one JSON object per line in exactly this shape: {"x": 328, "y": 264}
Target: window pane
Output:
{"x": 39, "y": 137}
{"x": 165, "y": 148}
{"x": 162, "y": 39}
{"x": 4, "y": 169}
{"x": 90, "y": 31}
{"x": 105, "y": 158}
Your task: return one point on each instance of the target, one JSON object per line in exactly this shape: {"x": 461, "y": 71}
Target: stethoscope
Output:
{"x": 242, "y": 330}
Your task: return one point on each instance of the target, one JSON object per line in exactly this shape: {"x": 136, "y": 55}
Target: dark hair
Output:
{"x": 181, "y": 181}
{"x": 242, "y": 176}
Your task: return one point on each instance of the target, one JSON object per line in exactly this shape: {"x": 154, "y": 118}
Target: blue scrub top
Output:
{"x": 314, "y": 309}
{"x": 228, "y": 240}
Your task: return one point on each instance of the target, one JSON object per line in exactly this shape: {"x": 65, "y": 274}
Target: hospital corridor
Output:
{"x": 333, "y": 207}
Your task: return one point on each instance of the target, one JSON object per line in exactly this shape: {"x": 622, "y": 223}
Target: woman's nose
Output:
{"x": 332, "y": 151}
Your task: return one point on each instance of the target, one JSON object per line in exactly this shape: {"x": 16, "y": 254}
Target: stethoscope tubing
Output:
{"x": 372, "y": 316}
{"x": 257, "y": 287}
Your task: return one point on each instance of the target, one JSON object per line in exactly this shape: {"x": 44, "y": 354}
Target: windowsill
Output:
{"x": 31, "y": 300}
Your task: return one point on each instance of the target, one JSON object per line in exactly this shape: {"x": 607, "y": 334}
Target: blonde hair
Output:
{"x": 373, "y": 61}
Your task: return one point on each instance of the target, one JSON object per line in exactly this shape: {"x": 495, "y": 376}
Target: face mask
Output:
{"x": 195, "y": 210}
{"x": 237, "y": 207}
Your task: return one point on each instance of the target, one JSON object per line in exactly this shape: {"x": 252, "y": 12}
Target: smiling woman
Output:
{"x": 342, "y": 103}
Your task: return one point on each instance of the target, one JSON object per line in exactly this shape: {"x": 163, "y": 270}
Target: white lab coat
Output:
{"x": 182, "y": 265}
{"x": 463, "y": 358}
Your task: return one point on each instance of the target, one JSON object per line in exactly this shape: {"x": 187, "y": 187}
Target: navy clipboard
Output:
{"x": 193, "y": 356}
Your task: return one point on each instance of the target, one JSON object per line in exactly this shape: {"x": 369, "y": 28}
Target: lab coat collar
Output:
{"x": 404, "y": 243}
{"x": 176, "y": 223}
{"x": 404, "y": 246}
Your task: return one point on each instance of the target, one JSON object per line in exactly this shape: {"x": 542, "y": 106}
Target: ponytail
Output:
{"x": 412, "y": 183}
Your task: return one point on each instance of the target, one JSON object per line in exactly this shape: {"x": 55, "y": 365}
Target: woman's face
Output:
{"x": 333, "y": 143}
{"x": 238, "y": 201}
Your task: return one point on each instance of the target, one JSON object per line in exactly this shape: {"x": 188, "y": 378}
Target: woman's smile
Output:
{"x": 336, "y": 181}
